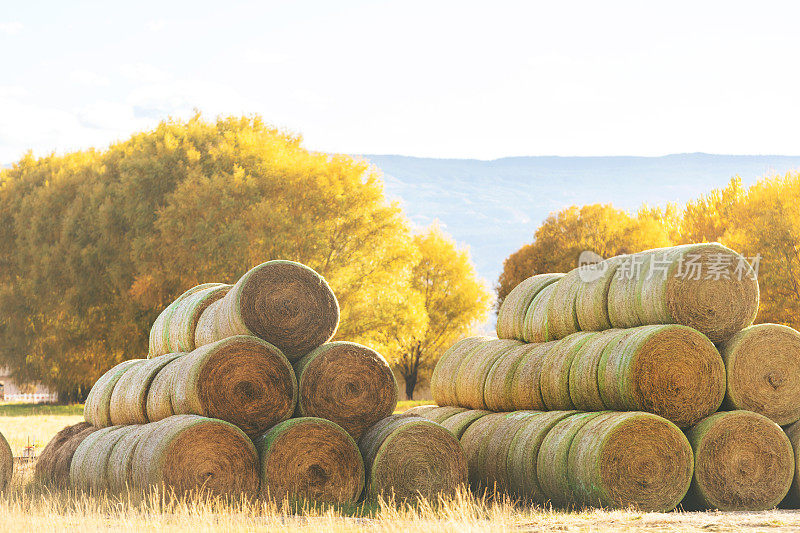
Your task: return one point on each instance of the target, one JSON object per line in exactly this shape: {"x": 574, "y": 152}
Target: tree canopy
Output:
{"x": 94, "y": 244}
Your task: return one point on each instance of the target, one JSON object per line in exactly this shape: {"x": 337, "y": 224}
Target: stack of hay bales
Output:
{"x": 581, "y": 398}
{"x": 212, "y": 405}
{"x": 6, "y": 463}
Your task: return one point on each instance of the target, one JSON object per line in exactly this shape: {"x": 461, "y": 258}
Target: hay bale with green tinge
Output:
{"x": 470, "y": 378}
{"x": 763, "y": 367}
{"x": 97, "y": 409}
{"x": 526, "y": 383}
{"x": 474, "y": 441}
{"x": 128, "y": 403}
{"x": 120, "y": 460}
{"x": 420, "y": 410}
{"x": 494, "y": 471}
{"x": 584, "y": 390}
{"x": 591, "y": 300}
{"x": 552, "y": 461}
{"x": 158, "y": 404}
{"x": 443, "y": 383}
{"x": 554, "y": 379}
{"x": 562, "y": 315}
{"x": 89, "y": 468}
{"x": 458, "y": 424}
{"x": 53, "y": 464}
{"x": 6, "y": 463}
{"x": 523, "y": 453}
{"x": 174, "y": 329}
{"x": 243, "y": 380}
{"x": 409, "y": 457}
{"x": 498, "y": 388}
{"x": 673, "y": 371}
{"x": 708, "y": 287}
{"x": 535, "y": 326}
{"x": 189, "y": 452}
{"x": 285, "y": 303}
{"x": 511, "y": 315}
{"x": 743, "y": 461}
{"x": 347, "y": 383}
{"x": 441, "y": 414}
{"x": 310, "y": 458}
{"x": 629, "y": 460}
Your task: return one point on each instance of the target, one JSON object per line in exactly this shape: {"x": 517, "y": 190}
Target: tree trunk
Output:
{"x": 411, "y": 383}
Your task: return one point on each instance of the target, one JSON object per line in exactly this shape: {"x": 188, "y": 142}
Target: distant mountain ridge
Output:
{"x": 495, "y": 206}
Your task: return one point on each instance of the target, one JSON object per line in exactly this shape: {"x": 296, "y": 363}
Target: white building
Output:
{"x": 10, "y": 391}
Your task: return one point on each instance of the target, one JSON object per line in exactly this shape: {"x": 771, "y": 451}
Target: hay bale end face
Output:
{"x": 187, "y": 452}
{"x": 763, "y": 367}
{"x": 347, "y": 383}
{"x": 672, "y": 371}
{"x": 6, "y": 463}
{"x": 243, "y": 380}
{"x": 623, "y": 460}
{"x": 743, "y": 462}
{"x": 310, "y": 458}
{"x": 285, "y": 303}
{"x": 511, "y": 315}
{"x": 410, "y": 457}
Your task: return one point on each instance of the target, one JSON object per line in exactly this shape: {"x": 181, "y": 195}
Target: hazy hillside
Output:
{"x": 495, "y": 206}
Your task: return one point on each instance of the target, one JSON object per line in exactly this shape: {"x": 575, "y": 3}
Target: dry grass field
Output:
{"x": 26, "y": 507}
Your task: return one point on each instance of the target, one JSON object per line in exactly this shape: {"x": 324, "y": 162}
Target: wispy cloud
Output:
{"x": 11, "y": 28}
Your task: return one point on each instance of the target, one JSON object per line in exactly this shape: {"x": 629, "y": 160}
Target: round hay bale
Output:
{"x": 158, "y": 404}
{"x": 159, "y": 332}
{"x": 285, "y": 303}
{"x": 89, "y": 467}
{"x": 120, "y": 460}
{"x": 310, "y": 458}
{"x": 495, "y": 469}
{"x": 441, "y": 414}
{"x": 511, "y": 315}
{"x": 45, "y": 462}
{"x": 498, "y": 388}
{"x": 763, "y": 367}
{"x": 347, "y": 383}
{"x": 410, "y": 457}
{"x": 554, "y": 378}
{"x": 743, "y": 461}
{"x": 562, "y": 315}
{"x": 6, "y": 463}
{"x": 584, "y": 390}
{"x": 420, "y": 410}
{"x": 591, "y": 301}
{"x": 708, "y": 287}
{"x": 672, "y": 371}
{"x": 443, "y": 379}
{"x": 552, "y": 461}
{"x": 471, "y": 376}
{"x": 97, "y": 409}
{"x": 189, "y": 452}
{"x": 243, "y": 380}
{"x": 523, "y": 452}
{"x": 173, "y": 331}
{"x": 458, "y": 423}
{"x": 525, "y": 384}
{"x": 623, "y": 460}
{"x": 535, "y": 327}
{"x": 474, "y": 441}
{"x": 793, "y": 498}
{"x": 128, "y": 403}
{"x": 53, "y": 465}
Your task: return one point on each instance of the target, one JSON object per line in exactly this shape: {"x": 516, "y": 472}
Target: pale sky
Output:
{"x": 428, "y": 78}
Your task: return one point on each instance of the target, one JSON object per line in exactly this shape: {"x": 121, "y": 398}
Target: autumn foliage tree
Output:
{"x": 447, "y": 299}
{"x": 94, "y": 244}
